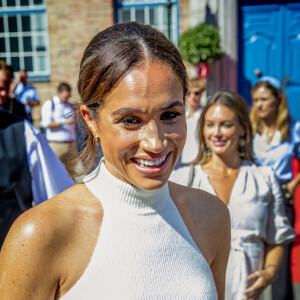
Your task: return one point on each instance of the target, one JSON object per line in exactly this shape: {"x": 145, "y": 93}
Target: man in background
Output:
{"x": 57, "y": 119}
{"x": 25, "y": 93}
{"x": 30, "y": 171}
{"x": 194, "y": 100}
{"x": 7, "y": 103}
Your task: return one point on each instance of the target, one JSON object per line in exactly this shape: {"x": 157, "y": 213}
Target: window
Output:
{"x": 24, "y": 37}
{"x": 161, "y": 14}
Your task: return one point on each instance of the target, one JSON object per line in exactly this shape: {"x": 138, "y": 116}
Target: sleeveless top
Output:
{"x": 144, "y": 250}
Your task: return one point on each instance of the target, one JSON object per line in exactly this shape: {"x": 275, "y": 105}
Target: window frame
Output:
{"x": 118, "y": 5}
{"x": 19, "y": 11}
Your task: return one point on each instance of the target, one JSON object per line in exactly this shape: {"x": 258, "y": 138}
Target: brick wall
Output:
{"x": 71, "y": 23}
{"x": 184, "y": 15}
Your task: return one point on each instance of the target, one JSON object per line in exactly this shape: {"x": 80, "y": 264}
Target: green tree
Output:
{"x": 200, "y": 44}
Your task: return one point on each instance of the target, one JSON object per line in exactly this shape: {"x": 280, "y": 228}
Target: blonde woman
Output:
{"x": 276, "y": 141}
{"x": 225, "y": 168}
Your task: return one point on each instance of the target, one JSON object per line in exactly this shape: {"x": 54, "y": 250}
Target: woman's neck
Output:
{"x": 267, "y": 124}
{"x": 224, "y": 165}
{"x": 267, "y": 129}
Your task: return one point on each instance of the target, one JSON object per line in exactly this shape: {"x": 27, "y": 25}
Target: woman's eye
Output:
{"x": 130, "y": 121}
{"x": 209, "y": 125}
{"x": 170, "y": 115}
{"x": 228, "y": 125}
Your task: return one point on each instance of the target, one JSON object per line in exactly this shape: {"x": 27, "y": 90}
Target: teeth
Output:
{"x": 150, "y": 163}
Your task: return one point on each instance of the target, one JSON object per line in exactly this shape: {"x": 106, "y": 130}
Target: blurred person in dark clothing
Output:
{"x": 30, "y": 172}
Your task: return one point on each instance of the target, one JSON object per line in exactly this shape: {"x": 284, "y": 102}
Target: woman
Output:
{"x": 276, "y": 141}
{"x": 225, "y": 168}
{"x": 125, "y": 232}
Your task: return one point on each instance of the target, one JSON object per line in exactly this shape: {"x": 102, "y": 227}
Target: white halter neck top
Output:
{"x": 144, "y": 250}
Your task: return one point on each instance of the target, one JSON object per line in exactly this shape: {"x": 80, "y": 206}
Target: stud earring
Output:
{"x": 97, "y": 138}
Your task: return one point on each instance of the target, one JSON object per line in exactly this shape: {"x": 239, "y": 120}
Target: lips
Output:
{"x": 150, "y": 163}
{"x": 219, "y": 143}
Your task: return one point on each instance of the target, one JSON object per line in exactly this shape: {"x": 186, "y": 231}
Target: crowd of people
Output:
{"x": 154, "y": 217}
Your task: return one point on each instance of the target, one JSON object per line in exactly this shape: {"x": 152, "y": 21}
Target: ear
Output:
{"x": 89, "y": 120}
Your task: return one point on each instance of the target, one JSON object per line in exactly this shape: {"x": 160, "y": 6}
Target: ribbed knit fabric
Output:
{"x": 144, "y": 250}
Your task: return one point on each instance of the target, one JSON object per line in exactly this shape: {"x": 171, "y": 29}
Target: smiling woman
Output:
{"x": 276, "y": 142}
{"x": 225, "y": 167}
{"x": 125, "y": 232}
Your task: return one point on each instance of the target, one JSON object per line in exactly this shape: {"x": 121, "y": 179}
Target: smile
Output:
{"x": 218, "y": 143}
{"x": 150, "y": 163}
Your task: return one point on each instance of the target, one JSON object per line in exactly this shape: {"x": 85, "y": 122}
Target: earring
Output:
{"x": 242, "y": 148}
{"x": 208, "y": 151}
{"x": 97, "y": 139}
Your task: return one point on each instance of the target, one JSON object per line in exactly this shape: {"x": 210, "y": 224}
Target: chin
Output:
{"x": 150, "y": 184}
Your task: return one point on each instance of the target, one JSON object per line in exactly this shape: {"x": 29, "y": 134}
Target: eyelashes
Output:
{"x": 132, "y": 121}
{"x": 170, "y": 115}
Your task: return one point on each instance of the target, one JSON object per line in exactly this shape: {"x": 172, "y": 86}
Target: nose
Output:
{"x": 153, "y": 139}
{"x": 258, "y": 103}
{"x": 217, "y": 131}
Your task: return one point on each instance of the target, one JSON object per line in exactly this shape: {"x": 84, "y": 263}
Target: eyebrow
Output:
{"x": 138, "y": 111}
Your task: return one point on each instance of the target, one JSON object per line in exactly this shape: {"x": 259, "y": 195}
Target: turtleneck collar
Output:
{"x": 112, "y": 192}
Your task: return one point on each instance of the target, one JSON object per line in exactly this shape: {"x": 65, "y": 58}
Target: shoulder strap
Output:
{"x": 191, "y": 175}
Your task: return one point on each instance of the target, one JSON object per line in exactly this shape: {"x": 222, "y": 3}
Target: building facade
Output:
{"x": 47, "y": 38}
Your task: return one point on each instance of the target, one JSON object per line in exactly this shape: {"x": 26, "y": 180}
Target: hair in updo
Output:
{"x": 110, "y": 55}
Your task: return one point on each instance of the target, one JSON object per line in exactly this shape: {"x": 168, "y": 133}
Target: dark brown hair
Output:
{"x": 63, "y": 86}
{"x": 110, "y": 55}
{"x": 238, "y": 105}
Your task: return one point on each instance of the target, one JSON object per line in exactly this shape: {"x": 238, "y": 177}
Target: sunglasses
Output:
{"x": 195, "y": 93}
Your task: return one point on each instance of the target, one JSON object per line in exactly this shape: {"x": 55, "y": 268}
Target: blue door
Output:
{"x": 269, "y": 44}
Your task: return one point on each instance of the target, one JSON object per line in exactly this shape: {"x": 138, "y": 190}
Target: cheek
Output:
{"x": 206, "y": 132}
{"x": 177, "y": 134}
{"x": 180, "y": 131}
{"x": 256, "y": 104}
{"x": 117, "y": 142}
{"x": 274, "y": 105}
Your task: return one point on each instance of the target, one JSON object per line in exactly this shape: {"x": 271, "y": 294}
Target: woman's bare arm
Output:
{"x": 220, "y": 230}
{"x": 262, "y": 278}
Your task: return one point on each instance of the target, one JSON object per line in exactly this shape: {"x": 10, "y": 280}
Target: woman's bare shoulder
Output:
{"x": 206, "y": 217}
{"x": 53, "y": 221}
{"x": 197, "y": 200}
{"x": 39, "y": 248}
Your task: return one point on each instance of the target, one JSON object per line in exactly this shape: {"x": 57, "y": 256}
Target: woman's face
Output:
{"x": 142, "y": 126}
{"x": 265, "y": 103}
{"x": 222, "y": 130}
